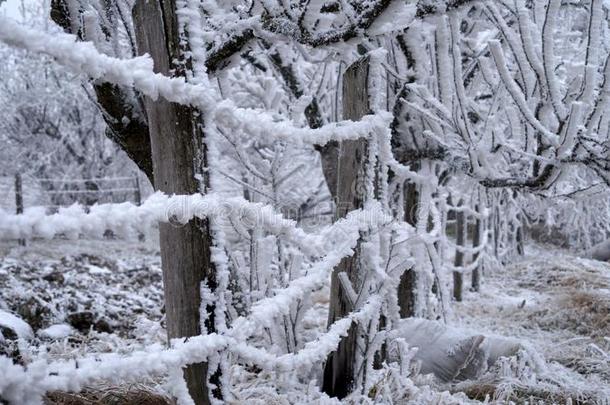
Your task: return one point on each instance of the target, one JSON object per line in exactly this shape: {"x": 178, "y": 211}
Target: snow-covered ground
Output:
{"x": 105, "y": 296}
{"x": 64, "y": 288}
{"x": 558, "y": 305}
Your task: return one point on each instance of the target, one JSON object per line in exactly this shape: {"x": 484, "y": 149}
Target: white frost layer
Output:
{"x": 16, "y": 324}
{"x": 56, "y": 331}
{"x": 84, "y": 58}
{"x": 128, "y": 220}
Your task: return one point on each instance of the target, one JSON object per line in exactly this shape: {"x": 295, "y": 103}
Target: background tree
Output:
{"x": 465, "y": 101}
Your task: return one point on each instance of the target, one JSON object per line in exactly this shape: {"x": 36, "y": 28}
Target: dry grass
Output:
{"x": 586, "y": 313}
{"x": 569, "y": 310}
{"x": 594, "y": 311}
{"x": 539, "y": 277}
{"x": 524, "y": 394}
{"x": 582, "y": 280}
{"x": 123, "y": 395}
{"x": 578, "y": 293}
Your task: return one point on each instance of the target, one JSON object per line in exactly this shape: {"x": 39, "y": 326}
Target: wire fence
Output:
{"x": 16, "y": 381}
{"x": 17, "y": 193}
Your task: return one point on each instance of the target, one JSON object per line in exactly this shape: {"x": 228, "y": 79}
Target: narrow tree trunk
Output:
{"x": 519, "y": 238}
{"x": 137, "y": 193}
{"x": 19, "y": 200}
{"x": 495, "y": 223}
{"x": 176, "y": 137}
{"x": 476, "y": 242}
{"x": 351, "y": 178}
{"x": 408, "y": 281}
{"x": 461, "y": 234}
{"x": 519, "y": 231}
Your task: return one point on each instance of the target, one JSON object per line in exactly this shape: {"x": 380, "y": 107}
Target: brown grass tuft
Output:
{"x": 591, "y": 312}
{"x": 489, "y": 391}
{"x": 131, "y": 395}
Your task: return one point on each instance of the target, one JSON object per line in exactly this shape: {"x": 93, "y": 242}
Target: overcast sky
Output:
{"x": 11, "y": 7}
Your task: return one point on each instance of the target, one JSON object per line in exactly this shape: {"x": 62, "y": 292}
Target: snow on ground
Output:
{"x": 65, "y": 288}
{"x": 105, "y": 296}
{"x": 15, "y": 324}
{"x": 559, "y": 305}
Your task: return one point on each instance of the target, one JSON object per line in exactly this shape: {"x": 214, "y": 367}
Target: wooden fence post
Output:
{"x": 137, "y": 194}
{"x": 177, "y": 143}
{"x": 407, "y": 286}
{"x": 339, "y": 371}
{"x": 461, "y": 236}
{"x": 476, "y": 242}
{"x": 19, "y": 200}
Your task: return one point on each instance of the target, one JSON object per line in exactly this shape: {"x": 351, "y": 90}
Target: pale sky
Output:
{"x": 11, "y": 7}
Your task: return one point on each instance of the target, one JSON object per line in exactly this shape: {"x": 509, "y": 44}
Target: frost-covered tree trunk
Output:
{"x": 461, "y": 230}
{"x": 519, "y": 237}
{"x": 351, "y": 180}
{"x": 121, "y": 107}
{"x": 408, "y": 281}
{"x": 476, "y": 242}
{"x": 176, "y": 141}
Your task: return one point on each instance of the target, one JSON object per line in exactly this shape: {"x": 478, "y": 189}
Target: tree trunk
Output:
{"x": 496, "y": 224}
{"x": 476, "y": 242}
{"x": 350, "y": 194}
{"x": 519, "y": 237}
{"x": 461, "y": 234}
{"x": 176, "y": 139}
{"x": 408, "y": 281}
{"x": 123, "y": 111}
{"x": 19, "y": 200}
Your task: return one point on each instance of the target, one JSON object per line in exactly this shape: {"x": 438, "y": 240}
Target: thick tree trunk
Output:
{"x": 461, "y": 234}
{"x": 123, "y": 111}
{"x": 176, "y": 136}
{"x": 350, "y": 194}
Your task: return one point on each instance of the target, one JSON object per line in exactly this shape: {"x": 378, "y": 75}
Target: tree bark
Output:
{"x": 176, "y": 138}
{"x": 351, "y": 177}
{"x": 461, "y": 235}
{"x": 519, "y": 237}
{"x": 476, "y": 242}
{"x": 408, "y": 281}
{"x": 123, "y": 110}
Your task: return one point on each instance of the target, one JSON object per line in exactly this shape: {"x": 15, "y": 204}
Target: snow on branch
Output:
{"x": 128, "y": 220}
{"x": 513, "y": 89}
{"x": 264, "y": 126}
{"x": 84, "y": 58}
{"x": 26, "y": 386}
{"x": 138, "y": 73}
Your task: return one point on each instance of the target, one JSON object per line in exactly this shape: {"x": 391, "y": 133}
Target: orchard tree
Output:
{"x": 420, "y": 113}
{"x": 52, "y": 128}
